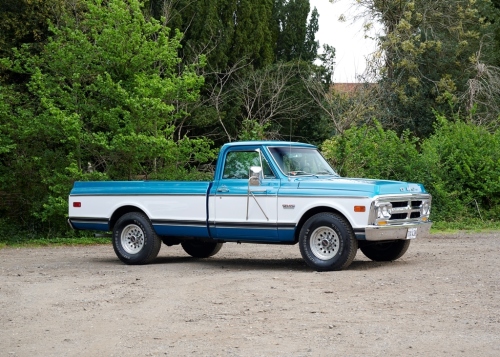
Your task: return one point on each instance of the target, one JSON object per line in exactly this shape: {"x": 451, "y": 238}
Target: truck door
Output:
{"x": 242, "y": 211}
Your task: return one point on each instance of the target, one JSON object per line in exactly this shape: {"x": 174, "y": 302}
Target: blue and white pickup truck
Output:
{"x": 263, "y": 192}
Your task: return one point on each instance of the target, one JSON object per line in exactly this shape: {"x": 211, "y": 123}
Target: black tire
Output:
{"x": 386, "y": 251}
{"x": 201, "y": 249}
{"x": 134, "y": 239}
{"x": 327, "y": 242}
{"x": 170, "y": 241}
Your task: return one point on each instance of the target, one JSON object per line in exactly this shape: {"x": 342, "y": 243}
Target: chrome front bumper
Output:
{"x": 392, "y": 232}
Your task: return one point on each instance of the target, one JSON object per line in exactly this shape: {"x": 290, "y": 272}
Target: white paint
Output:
{"x": 174, "y": 207}
{"x": 344, "y": 205}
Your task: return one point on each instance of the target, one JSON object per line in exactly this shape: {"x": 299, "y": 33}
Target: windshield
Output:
{"x": 294, "y": 161}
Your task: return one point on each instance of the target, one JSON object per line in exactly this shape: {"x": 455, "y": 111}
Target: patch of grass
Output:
{"x": 43, "y": 242}
{"x": 471, "y": 225}
{"x": 27, "y": 238}
{"x": 12, "y": 235}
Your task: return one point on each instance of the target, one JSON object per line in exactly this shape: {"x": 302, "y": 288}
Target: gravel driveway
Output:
{"x": 441, "y": 299}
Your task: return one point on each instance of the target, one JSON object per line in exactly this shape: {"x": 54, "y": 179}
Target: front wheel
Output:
{"x": 201, "y": 249}
{"x": 386, "y": 251}
{"x": 327, "y": 242}
{"x": 134, "y": 239}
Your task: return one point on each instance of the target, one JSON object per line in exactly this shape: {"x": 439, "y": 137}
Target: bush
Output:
{"x": 464, "y": 170}
{"x": 459, "y": 165}
{"x": 372, "y": 152}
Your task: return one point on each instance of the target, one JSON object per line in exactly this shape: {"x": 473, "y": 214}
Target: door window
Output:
{"x": 238, "y": 163}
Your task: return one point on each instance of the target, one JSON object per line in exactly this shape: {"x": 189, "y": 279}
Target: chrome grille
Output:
{"x": 400, "y": 209}
{"x": 405, "y": 209}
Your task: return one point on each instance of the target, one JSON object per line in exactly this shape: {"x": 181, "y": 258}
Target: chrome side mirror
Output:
{"x": 255, "y": 176}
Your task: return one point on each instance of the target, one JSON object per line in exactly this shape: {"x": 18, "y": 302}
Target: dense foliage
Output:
{"x": 432, "y": 52}
{"x": 131, "y": 89}
{"x": 435, "y": 60}
{"x": 98, "y": 104}
{"x": 256, "y": 52}
{"x": 124, "y": 90}
{"x": 459, "y": 164}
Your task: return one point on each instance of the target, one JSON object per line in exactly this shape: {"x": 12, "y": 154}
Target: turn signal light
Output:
{"x": 359, "y": 209}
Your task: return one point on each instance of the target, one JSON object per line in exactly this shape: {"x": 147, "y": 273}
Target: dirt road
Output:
{"x": 441, "y": 299}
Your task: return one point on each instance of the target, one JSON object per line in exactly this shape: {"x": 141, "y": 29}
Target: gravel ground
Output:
{"x": 441, "y": 299}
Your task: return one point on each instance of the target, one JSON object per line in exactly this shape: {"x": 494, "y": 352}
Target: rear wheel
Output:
{"x": 134, "y": 239}
{"x": 386, "y": 251}
{"x": 327, "y": 242}
{"x": 201, "y": 249}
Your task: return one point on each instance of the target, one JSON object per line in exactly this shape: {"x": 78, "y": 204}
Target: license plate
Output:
{"x": 411, "y": 233}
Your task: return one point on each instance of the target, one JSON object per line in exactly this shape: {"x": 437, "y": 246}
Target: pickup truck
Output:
{"x": 263, "y": 192}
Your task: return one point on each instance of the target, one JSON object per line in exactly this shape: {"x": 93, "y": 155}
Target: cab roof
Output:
{"x": 269, "y": 143}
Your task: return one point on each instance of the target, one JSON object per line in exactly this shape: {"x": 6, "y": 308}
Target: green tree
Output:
{"x": 225, "y": 30}
{"x": 235, "y": 37}
{"x": 295, "y": 35}
{"x": 25, "y": 21}
{"x": 458, "y": 164}
{"x": 372, "y": 152}
{"x": 463, "y": 162}
{"x": 100, "y": 105}
{"x": 240, "y": 39}
{"x": 427, "y": 55}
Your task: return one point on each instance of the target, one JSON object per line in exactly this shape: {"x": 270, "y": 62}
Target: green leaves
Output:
{"x": 429, "y": 50}
{"x": 464, "y": 166}
{"x": 371, "y": 151}
{"x": 459, "y": 164}
{"x": 100, "y": 103}
{"x": 99, "y": 91}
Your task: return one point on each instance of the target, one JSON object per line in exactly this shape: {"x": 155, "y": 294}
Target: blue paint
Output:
{"x": 249, "y": 234}
{"x": 113, "y": 188}
{"x": 181, "y": 230}
{"x": 92, "y": 226}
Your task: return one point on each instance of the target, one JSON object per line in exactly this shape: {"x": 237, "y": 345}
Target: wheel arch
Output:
{"x": 311, "y": 212}
{"x": 121, "y": 211}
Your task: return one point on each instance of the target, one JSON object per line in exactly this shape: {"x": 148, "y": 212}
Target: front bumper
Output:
{"x": 394, "y": 232}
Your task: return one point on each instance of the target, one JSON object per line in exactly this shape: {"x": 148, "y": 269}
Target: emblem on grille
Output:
{"x": 411, "y": 188}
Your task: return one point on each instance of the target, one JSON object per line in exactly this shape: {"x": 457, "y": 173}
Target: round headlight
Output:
{"x": 425, "y": 208}
{"x": 384, "y": 211}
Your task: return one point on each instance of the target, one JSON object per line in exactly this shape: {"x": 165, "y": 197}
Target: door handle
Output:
{"x": 223, "y": 189}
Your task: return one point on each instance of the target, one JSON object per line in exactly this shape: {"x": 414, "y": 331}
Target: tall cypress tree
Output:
{"x": 252, "y": 35}
{"x": 249, "y": 35}
{"x": 295, "y": 35}
{"x": 227, "y": 31}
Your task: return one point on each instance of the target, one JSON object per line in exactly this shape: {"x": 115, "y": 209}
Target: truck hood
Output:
{"x": 370, "y": 187}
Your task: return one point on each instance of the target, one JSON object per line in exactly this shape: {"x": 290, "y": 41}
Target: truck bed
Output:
{"x": 174, "y": 207}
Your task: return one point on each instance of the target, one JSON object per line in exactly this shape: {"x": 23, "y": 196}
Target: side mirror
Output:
{"x": 255, "y": 176}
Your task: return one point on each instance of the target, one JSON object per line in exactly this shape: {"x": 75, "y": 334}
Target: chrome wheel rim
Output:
{"x": 324, "y": 243}
{"x": 132, "y": 239}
